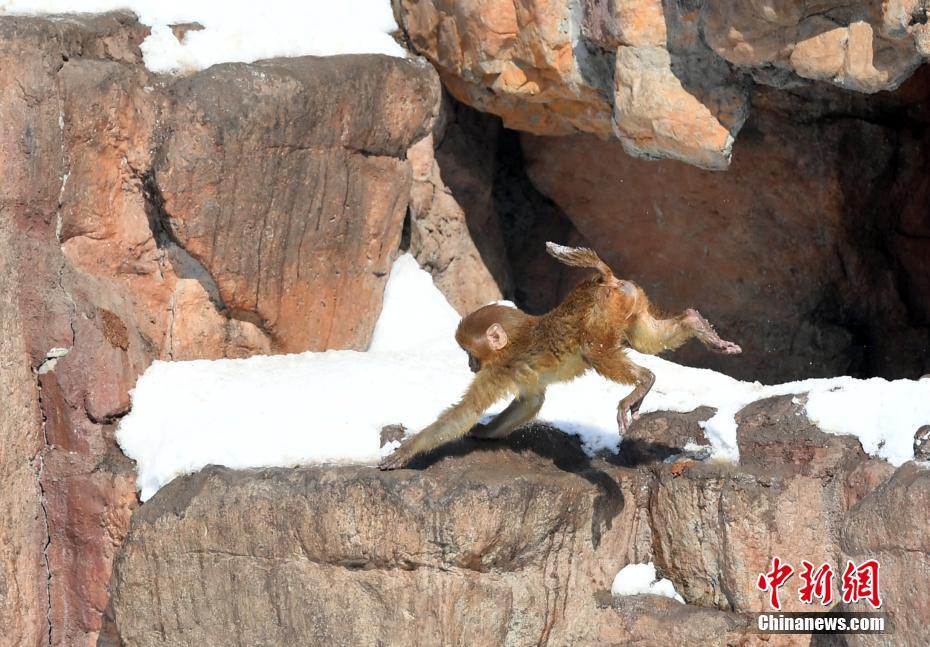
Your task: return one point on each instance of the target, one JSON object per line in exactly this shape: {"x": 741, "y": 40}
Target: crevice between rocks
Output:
{"x": 40, "y": 475}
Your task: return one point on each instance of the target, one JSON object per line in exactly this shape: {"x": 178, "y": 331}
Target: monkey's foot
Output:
{"x": 709, "y": 336}
{"x": 728, "y": 348}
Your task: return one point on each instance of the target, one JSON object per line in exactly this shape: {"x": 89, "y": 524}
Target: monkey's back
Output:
{"x": 593, "y": 315}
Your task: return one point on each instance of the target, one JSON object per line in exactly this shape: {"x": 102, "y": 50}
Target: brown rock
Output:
{"x": 654, "y": 621}
{"x": 891, "y": 525}
{"x": 868, "y": 48}
{"x": 441, "y": 227}
{"x": 95, "y": 287}
{"x": 348, "y": 555}
{"x": 774, "y": 435}
{"x": 668, "y": 79}
{"x": 660, "y": 435}
{"x": 300, "y": 239}
{"x": 23, "y": 570}
{"x": 744, "y": 520}
{"x": 673, "y": 98}
{"x": 516, "y": 60}
{"x": 497, "y": 530}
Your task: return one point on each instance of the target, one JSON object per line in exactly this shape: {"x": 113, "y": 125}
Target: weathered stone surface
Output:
{"x": 861, "y": 46}
{"x": 786, "y": 252}
{"x": 290, "y": 196}
{"x": 672, "y": 97}
{"x": 95, "y": 285}
{"x": 669, "y": 79}
{"x": 525, "y": 534}
{"x": 518, "y": 60}
{"x": 660, "y": 435}
{"x": 652, "y": 620}
{"x": 890, "y": 525}
{"x": 477, "y": 223}
{"x": 23, "y": 571}
{"x": 455, "y": 230}
{"x": 510, "y": 542}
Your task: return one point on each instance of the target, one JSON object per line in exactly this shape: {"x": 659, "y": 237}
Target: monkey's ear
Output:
{"x": 497, "y": 336}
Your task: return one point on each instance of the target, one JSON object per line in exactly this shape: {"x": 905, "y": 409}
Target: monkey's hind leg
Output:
{"x": 653, "y": 336}
{"x": 705, "y": 332}
{"x": 523, "y": 409}
{"x": 616, "y": 366}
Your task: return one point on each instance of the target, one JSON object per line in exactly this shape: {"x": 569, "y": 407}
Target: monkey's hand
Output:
{"x": 396, "y": 460}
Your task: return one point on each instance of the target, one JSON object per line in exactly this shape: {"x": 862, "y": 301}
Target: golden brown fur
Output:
{"x": 519, "y": 355}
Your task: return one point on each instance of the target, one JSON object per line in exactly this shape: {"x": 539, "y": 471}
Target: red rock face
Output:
{"x": 290, "y": 200}
{"x": 291, "y": 197}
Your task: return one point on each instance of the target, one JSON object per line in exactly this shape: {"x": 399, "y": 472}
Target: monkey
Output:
{"x": 516, "y": 354}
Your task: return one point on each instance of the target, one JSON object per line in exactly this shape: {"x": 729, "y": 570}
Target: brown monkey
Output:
{"x": 519, "y": 355}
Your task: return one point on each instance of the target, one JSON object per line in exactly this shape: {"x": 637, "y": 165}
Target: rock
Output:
{"x": 344, "y": 555}
{"x": 660, "y": 435}
{"x": 890, "y": 525}
{"x": 97, "y": 284}
{"x": 392, "y": 433}
{"x": 744, "y": 518}
{"x": 670, "y": 80}
{"x": 476, "y": 221}
{"x": 526, "y": 533}
{"x": 922, "y": 443}
{"x": 803, "y": 284}
{"x": 672, "y": 97}
{"x": 862, "y": 47}
{"x": 656, "y": 620}
{"x": 454, "y": 229}
{"x": 774, "y": 435}
{"x": 300, "y": 239}
{"x": 23, "y": 570}
{"x": 516, "y": 60}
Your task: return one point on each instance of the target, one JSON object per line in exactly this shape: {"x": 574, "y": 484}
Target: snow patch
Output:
{"x": 636, "y": 579}
{"x": 330, "y": 407}
{"x": 241, "y": 30}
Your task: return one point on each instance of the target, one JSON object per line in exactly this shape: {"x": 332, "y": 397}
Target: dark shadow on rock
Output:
{"x": 564, "y": 451}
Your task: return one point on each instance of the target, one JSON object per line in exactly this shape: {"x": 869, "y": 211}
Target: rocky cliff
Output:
{"x": 516, "y": 542}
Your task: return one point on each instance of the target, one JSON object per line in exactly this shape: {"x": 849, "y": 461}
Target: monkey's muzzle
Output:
{"x": 474, "y": 364}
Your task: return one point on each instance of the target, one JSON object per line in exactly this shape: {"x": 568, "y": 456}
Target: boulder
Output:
{"x": 669, "y": 80}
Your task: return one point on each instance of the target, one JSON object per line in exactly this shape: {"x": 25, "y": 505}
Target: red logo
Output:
{"x": 858, "y": 582}
{"x": 773, "y": 579}
{"x": 817, "y": 584}
{"x": 861, "y": 583}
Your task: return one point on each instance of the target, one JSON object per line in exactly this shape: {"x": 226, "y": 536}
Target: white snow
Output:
{"x": 242, "y": 30}
{"x": 635, "y": 579}
{"x": 330, "y": 407}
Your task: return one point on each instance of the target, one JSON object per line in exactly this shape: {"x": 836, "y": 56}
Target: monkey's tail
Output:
{"x": 579, "y": 257}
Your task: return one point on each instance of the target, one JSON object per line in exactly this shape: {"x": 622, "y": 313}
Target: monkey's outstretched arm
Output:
{"x": 523, "y": 409}
{"x": 487, "y": 387}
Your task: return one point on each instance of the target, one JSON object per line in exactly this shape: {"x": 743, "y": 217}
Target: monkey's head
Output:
{"x": 486, "y": 332}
